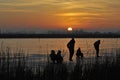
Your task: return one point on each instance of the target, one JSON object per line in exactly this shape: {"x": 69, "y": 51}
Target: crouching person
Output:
{"x": 79, "y": 53}
{"x": 59, "y": 58}
{"x": 53, "y": 56}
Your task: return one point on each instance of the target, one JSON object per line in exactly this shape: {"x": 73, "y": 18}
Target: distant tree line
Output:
{"x": 64, "y": 35}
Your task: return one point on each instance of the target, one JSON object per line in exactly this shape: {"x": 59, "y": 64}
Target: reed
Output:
{"x": 15, "y": 66}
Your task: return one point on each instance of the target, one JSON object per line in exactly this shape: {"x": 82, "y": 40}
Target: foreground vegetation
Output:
{"x": 15, "y": 66}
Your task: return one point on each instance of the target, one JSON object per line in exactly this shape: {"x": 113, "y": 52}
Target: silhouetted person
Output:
{"x": 79, "y": 53}
{"x": 53, "y": 56}
{"x": 96, "y": 45}
{"x": 70, "y": 46}
{"x": 59, "y": 58}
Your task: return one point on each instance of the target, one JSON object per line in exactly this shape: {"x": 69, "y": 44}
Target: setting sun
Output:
{"x": 69, "y": 29}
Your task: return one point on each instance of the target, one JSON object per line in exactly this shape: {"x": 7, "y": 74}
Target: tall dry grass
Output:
{"x": 15, "y": 66}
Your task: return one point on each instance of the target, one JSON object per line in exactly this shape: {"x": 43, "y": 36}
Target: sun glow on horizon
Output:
{"x": 69, "y": 29}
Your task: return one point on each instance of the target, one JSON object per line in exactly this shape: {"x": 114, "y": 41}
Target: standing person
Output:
{"x": 96, "y": 46}
{"x": 70, "y": 46}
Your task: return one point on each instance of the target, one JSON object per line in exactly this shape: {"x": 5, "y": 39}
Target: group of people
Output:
{"x": 56, "y": 58}
{"x": 70, "y": 45}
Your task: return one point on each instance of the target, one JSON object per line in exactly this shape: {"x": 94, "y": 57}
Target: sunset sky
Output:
{"x": 60, "y": 14}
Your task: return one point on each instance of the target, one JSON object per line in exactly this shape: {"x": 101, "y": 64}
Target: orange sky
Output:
{"x": 60, "y": 14}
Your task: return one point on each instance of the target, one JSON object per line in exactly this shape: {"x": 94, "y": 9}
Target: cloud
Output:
{"x": 21, "y": 4}
{"x": 15, "y": 10}
{"x": 62, "y": 10}
{"x": 77, "y": 14}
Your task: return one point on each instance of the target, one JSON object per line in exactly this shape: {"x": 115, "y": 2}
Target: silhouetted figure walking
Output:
{"x": 59, "y": 58}
{"x": 79, "y": 53}
{"x": 96, "y": 45}
{"x": 53, "y": 56}
{"x": 70, "y": 46}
